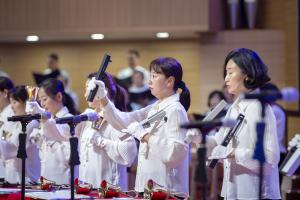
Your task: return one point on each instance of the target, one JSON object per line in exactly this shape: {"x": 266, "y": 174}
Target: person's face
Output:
{"x": 3, "y": 98}
{"x": 133, "y": 60}
{"x": 234, "y": 79}
{"x": 137, "y": 80}
{"x": 52, "y": 63}
{"x": 52, "y": 105}
{"x": 161, "y": 86}
{"x": 17, "y": 106}
{"x": 214, "y": 101}
{"x": 86, "y": 94}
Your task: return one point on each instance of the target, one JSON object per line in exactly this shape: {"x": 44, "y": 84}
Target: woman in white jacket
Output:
{"x": 163, "y": 155}
{"x": 244, "y": 72}
{"x": 10, "y": 142}
{"x": 103, "y": 155}
{"x": 55, "y": 147}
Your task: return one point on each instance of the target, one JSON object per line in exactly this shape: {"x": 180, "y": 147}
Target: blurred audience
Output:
{"x": 139, "y": 92}
{"x": 124, "y": 77}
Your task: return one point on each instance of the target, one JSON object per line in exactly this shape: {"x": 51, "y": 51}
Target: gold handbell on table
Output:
{"x": 155, "y": 191}
{"x": 46, "y": 184}
{"x": 32, "y": 92}
{"x": 82, "y": 188}
{"x": 108, "y": 190}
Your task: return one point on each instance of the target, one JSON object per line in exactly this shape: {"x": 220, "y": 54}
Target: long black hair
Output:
{"x": 116, "y": 93}
{"x": 52, "y": 87}
{"x": 171, "y": 67}
{"x": 19, "y": 93}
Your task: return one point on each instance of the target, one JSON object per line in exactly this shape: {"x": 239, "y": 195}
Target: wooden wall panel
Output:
{"x": 202, "y": 59}
{"x": 75, "y": 17}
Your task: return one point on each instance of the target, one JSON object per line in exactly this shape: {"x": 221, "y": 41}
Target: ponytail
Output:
{"x": 185, "y": 96}
{"x": 121, "y": 98}
{"x": 69, "y": 103}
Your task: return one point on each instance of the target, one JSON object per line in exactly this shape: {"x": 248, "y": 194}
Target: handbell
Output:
{"x": 154, "y": 191}
{"x": 82, "y": 188}
{"x": 108, "y": 190}
{"x": 46, "y": 184}
{"x": 32, "y": 92}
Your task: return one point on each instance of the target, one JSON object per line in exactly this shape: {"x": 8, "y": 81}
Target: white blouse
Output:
{"x": 6, "y": 112}
{"x": 165, "y": 158}
{"x": 55, "y": 149}
{"x": 9, "y": 147}
{"x": 241, "y": 178}
{"x": 109, "y": 160}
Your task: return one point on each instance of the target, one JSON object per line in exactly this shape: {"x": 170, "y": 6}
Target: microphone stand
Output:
{"x": 259, "y": 153}
{"x": 74, "y": 155}
{"x": 200, "y": 173}
{"x": 22, "y": 155}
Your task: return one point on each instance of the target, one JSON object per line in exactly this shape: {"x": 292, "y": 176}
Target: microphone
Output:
{"x": 288, "y": 94}
{"x": 29, "y": 117}
{"x": 210, "y": 116}
{"x": 92, "y": 116}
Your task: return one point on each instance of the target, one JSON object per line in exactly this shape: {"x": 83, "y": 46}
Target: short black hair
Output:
{"x": 251, "y": 65}
{"x": 5, "y": 83}
{"x": 213, "y": 93}
{"x": 54, "y": 56}
{"x": 134, "y": 52}
{"x": 19, "y": 93}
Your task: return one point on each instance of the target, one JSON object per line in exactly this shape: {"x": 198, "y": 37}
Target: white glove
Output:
{"x": 97, "y": 140}
{"x": 33, "y": 107}
{"x": 136, "y": 130}
{"x": 32, "y": 125}
{"x": 220, "y": 152}
{"x": 295, "y": 142}
{"x": 193, "y": 135}
{"x": 101, "y": 92}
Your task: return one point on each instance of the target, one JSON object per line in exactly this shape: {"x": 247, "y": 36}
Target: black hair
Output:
{"x": 171, "y": 67}
{"x": 139, "y": 72}
{"x": 251, "y": 65}
{"x": 19, "y": 93}
{"x": 214, "y": 93}
{"x": 6, "y": 83}
{"x": 54, "y": 56}
{"x": 270, "y": 87}
{"x": 134, "y": 52}
{"x": 116, "y": 92}
{"x": 52, "y": 87}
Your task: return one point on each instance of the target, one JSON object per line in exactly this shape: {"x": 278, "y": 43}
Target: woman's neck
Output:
{"x": 21, "y": 112}
{"x": 165, "y": 96}
{"x": 58, "y": 109}
{"x": 4, "y": 105}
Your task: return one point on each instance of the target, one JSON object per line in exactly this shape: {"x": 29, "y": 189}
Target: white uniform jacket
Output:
{"x": 55, "y": 149}
{"x": 107, "y": 160}
{"x": 241, "y": 178}
{"x": 9, "y": 147}
{"x": 165, "y": 158}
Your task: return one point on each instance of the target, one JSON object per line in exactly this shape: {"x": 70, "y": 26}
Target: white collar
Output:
{"x": 62, "y": 112}
{"x": 159, "y": 105}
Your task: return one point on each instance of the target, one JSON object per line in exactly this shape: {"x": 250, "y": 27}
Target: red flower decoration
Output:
{"x": 42, "y": 179}
{"x": 150, "y": 184}
{"x": 104, "y": 184}
{"x": 76, "y": 182}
